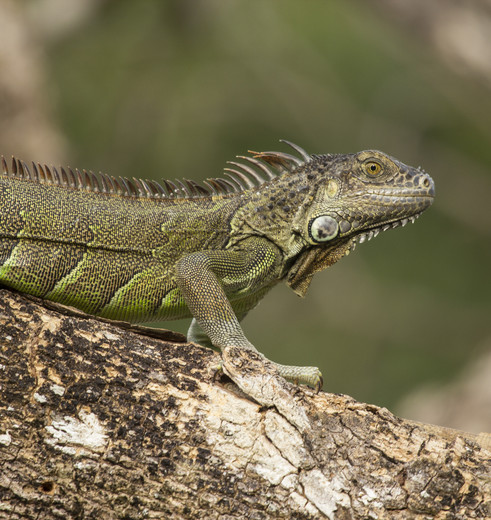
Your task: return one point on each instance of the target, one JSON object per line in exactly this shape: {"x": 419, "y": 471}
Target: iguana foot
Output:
{"x": 258, "y": 378}
{"x": 218, "y": 372}
{"x": 311, "y": 376}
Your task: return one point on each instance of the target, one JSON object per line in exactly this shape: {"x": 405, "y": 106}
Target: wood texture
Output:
{"x": 100, "y": 422}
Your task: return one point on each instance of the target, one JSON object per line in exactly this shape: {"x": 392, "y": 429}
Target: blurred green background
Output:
{"x": 166, "y": 89}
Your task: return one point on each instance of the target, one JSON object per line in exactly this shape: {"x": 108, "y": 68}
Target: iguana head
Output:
{"x": 359, "y": 195}
{"x": 322, "y": 205}
{"x": 353, "y": 198}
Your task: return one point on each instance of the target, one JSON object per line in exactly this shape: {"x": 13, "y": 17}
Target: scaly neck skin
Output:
{"x": 270, "y": 211}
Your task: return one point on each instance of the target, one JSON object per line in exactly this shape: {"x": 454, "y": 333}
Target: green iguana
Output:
{"x": 138, "y": 250}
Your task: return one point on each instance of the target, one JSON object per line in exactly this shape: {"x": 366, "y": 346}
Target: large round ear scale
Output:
{"x": 323, "y": 228}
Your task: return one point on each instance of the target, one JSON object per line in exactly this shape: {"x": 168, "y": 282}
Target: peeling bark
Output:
{"x": 102, "y": 422}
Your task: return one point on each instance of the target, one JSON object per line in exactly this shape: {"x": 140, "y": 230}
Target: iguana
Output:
{"x": 139, "y": 250}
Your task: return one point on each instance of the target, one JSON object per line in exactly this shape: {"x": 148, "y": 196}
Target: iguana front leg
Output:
{"x": 295, "y": 374}
{"x": 206, "y": 277}
{"x": 196, "y": 335}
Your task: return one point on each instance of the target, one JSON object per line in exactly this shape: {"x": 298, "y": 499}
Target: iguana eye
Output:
{"x": 323, "y": 229}
{"x": 372, "y": 168}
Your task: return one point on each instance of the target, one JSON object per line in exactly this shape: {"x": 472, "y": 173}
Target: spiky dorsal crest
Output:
{"x": 253, "y": 171}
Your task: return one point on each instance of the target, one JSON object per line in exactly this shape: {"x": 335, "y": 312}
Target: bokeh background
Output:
{"x": 175, "y": 88}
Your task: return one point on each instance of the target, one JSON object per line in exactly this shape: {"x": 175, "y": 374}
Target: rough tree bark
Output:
{"x": 101, "y": 422}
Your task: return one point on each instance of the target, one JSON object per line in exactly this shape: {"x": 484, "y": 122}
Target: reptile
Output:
{"x": 140, "y": 250}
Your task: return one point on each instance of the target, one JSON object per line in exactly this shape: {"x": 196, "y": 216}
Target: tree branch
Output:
{"x": 97, "y": 421}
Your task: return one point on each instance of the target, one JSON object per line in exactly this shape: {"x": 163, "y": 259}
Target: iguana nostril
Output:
{"x": 429, "y": 185}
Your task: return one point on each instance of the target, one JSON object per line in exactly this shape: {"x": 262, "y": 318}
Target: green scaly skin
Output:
{"x": 134, "y": 251}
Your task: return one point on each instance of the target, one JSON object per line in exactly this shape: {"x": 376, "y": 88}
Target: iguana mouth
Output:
{"x": 370, "y": 233}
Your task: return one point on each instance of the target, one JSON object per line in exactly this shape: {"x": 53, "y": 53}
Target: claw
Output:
{"x": 218, "y": 373}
